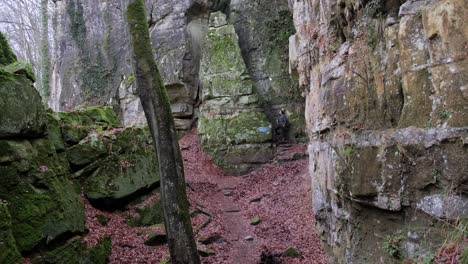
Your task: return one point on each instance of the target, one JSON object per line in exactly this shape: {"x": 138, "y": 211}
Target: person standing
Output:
{"x": 282, "y": 127}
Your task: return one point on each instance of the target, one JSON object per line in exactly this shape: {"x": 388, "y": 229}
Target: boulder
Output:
{"x": 237, "y": 143}
{"x": 121, "y": 165}
{"x": 75, "y": 252}
{"x": 43, "y": 202}
{"x": 76, "y": 125}
{"x": 16, "y": 120}
{"x": 149, "y": 215}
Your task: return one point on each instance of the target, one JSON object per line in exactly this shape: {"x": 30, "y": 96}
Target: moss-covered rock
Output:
{"x": 22, "y": 111}
{"x": 130, "y": 166}
{"x": 14, "y": 150}
{"x": 231, "y": 125}
{"x": 148, "y": 215}
{"x": 75, "y": 126}
{"x": 43, "y": 202}
{"x": 8, "y": 251}
{"x": 87, "y": 151}
{"x": 248, "y": 127}
{"x": 7, "y": 56}
{"x": 55, "y": 133}
{"x": 237, "y": 143}
{"x": 75, "y": 252}
{"x": 103, "y": 114}
{"x": 21, "y": 67}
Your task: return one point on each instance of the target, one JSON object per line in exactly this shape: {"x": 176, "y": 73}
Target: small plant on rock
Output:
{"x": 391, "y": 245}
{"x": 445, "y": 114}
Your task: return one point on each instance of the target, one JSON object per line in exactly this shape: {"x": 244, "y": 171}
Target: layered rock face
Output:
{"x": 387, "y": 115}
{"x": 94, "y": 61}
{"x": 232, "y": 127}
{"x": 94, "y": 56}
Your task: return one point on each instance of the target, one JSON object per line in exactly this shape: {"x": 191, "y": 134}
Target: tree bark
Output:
{"x": 158, "y": 113}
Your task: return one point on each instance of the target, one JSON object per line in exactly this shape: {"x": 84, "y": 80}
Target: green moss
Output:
{"x": 8, "y": 250}
{"x": 292, "y": 252}
{"x": 233, "y": 141}
{"x": 86, "y": 152}
{"x": 42, "y": 201}
{"x": 139, "y": 27}
{"x": 225, "y": 54}
{"x": 7, "y": 56}
{"x": 21, "y": 67}
{"x": 280, "y": 28}
{"x": 149, "y": 215}
{"x": 16, "y": 119}
{"x": 75, "y": 252}
{"x": 102, "y": 219}
{"x": 297, "y": 126}
{"x": 54, "y": 133}
{"x": 119, "y": 177}
{"x": 103, "y": 114}
{"x": 213, "y": 131}
{"x": 100, "y": 253}
{"x": 248, "y": 127}
{"x": 76, "y": 125}
{"x": 133, "y": 167}
{"x": 221, "y": 86}
{"x": 464, "y": 256}
{"x": 14, "y": 150}
{"x": 6, "y": 76}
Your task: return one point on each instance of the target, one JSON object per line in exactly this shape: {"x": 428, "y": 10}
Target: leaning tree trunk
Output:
{"x": 157, "y": 109}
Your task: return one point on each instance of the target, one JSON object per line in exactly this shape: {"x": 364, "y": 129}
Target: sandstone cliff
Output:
{"x": 387, "y": 117}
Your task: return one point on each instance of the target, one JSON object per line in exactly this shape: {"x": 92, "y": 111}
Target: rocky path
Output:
{"x": 261, "y": 214}
{"x": 251, "y": 219}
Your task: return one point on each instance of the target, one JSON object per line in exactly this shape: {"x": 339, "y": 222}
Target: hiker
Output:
{"x": 281, "y": 130}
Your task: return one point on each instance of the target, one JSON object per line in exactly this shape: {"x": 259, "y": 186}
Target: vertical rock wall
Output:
{"x": 93, "y": 55}
{"x": 387, "y": 117}
{"x": 232, "y": 127}
{"x": 264, "y": 28}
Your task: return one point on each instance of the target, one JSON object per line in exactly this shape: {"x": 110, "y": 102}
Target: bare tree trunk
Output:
{"x": 157, "y": 109}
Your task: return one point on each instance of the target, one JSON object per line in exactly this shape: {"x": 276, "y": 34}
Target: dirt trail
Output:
{"x": 278, "y": 194}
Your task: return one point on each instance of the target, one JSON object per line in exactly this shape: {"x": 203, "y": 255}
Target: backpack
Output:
{"x": 282, "y": 121}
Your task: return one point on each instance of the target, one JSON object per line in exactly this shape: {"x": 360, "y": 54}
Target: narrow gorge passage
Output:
{"x": 275, "y": 197}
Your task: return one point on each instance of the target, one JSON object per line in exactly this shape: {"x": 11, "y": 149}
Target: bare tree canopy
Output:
{"x": 23, "y": 22}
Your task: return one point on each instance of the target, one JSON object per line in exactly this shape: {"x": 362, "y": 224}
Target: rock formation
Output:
{"x": 47, "y": 159}
{"x": 37, "y": 200}
{"x": 232, "y": 127}
{"x": 93, "y": 60}
{"x": 387, "y": 116}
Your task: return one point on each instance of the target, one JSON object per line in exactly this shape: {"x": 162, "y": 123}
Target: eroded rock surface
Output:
{"x": 387, "y": 117}
{"x": 232, "y": 127}
{"x": 93, "y": 65}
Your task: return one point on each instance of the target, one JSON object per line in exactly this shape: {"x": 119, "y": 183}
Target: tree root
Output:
{"x": 198, "y": 211}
